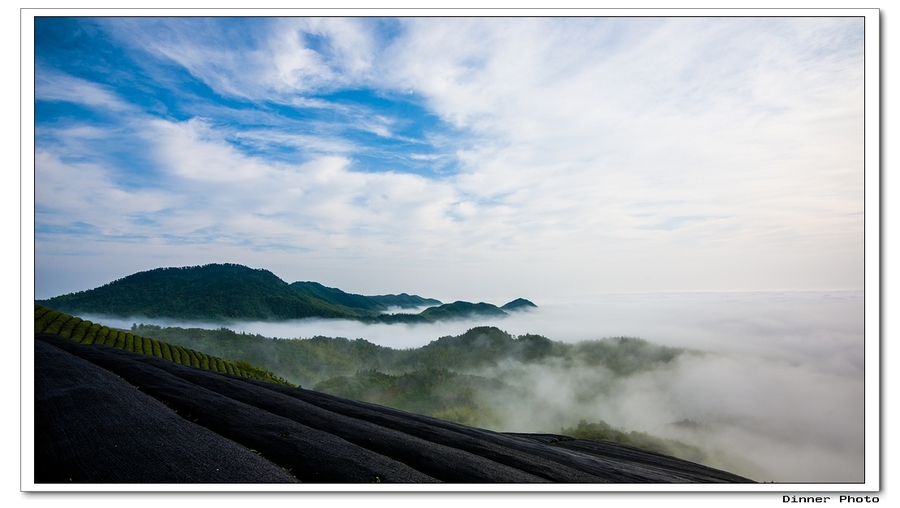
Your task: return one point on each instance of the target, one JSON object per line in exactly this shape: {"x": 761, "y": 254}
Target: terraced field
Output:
{"x": 53, "y": 322}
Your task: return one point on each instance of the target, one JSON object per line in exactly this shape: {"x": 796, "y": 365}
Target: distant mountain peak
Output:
{"x": 519, "y": 304}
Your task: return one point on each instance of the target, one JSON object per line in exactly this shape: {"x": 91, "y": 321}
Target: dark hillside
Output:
{"x": 405, "y": 301}
{"x": 457, "y": 310}
{"x": 230, "y": 292}
{"x": 334, "y": 296}
{"x": 444, "y": 312}
{"x": 105, "y": 415}
{"x": 519, "y": 304}
{"x": 209, "y": 292}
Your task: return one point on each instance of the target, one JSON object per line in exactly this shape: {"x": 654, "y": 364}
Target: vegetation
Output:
{"x": 317, "y": 359}
{"x": 224, "y": 292}
{"x": 405, "y": 301}
{"x": 519, "y": 304}
{"x": 455, "y": 378}
{"x": 200, "y": 292}
{"x": 436, "y": 392}
{"x": 51, "y": 321}
{"x": 363, "y": 305}
{"x": 602, "y": 431}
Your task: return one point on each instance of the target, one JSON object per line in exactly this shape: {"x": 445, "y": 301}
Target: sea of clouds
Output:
{"x": 777, "y": 392}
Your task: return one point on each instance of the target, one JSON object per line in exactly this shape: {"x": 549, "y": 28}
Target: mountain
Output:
{"x": 445, "y": 312}
{"x": 236, "y": 292}
{"x": 215, "y": 291}
{"x": 458, "y": 310}
{"x": 519, "y": 304}
{"x": 317, "y": 359}
{"x": 334, "y": 296}
{"x": 405, "y": 301}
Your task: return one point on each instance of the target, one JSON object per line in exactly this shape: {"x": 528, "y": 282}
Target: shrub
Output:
{"x": 111, "y": 338}
{"x": 166, "y": 353}
{"x": 57, "y": 324}
{"x": 67, "y": 329}
{"x": 79, "y": 332}
{"x": 41, "y": 325}
{"x": 91, "y": 333}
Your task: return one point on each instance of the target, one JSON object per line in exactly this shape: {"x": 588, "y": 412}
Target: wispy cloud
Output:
{"x": 621, "y": 153}
{"x": 52, "y": 85}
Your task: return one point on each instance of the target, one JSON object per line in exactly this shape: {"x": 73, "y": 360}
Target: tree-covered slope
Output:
{"x": 444, "y": 312}
{"x": 334, "y": 296}
{"x": 519, "y": 304}
{"x": 314, "y": 360}
{"x": 405, "y": 301}
{"x": 304, "y": 361}
{"x": 235, "y": 292}
{"x": 215, "y": 291}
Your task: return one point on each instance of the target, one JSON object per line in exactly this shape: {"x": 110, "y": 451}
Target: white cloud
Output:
{"x": 66, "y": 193}
{"x": 612, "y": 155}
{"x": 50, "y": 85}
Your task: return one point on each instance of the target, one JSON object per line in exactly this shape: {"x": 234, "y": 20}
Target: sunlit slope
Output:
{"x": 53, "y": 322}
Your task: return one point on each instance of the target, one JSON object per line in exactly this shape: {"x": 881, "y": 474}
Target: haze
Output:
{"x": 783, "y": 388}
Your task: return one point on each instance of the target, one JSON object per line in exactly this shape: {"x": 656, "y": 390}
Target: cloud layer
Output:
{"x": 459, "y": 157}
{"x": 774, "y": 384}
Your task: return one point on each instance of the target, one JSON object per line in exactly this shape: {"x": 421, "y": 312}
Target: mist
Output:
{"x": 772, "y": 387}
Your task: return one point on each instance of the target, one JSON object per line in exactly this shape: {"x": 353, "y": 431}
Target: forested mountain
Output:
{"x": 200, "y": 292}
{"x": 519, "y": 304}
{"x": 405, "y": 301}
{"x": 311, "y": 361}
{"x": 359, "y": 303}
{"x": 235, "y": 292}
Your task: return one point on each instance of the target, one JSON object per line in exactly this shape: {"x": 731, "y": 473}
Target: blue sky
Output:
{"x": 459, "y": 158}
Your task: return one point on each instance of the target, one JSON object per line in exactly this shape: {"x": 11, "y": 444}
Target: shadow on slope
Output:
{"x": 119, "y": 430}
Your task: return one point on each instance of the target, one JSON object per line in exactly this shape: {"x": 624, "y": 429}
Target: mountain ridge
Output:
{"x": 236, "y": 292}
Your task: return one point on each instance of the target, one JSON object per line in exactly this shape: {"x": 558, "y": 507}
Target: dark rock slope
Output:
{"x": 104, "y": 415}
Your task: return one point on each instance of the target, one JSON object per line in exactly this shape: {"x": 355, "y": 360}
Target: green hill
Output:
{"x": 227, "y": 292}
{"x": 405, "y": 301}
{"x": 209, "y": 292}
{"x": 334, "y": 296}
{"x": 519, "y": 304}
{"x": 314, "y": 360}
{"x": 445, "y": 312}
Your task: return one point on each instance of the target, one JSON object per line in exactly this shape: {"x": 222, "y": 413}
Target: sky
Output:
{"x": 455, "y": 158}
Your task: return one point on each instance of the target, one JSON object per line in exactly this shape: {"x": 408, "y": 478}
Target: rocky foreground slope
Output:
{"x": 104, "y": 415}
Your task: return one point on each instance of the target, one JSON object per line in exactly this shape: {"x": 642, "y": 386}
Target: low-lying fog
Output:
{"x": 782, "y": 389}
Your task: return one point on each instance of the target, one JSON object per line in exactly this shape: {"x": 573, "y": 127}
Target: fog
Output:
{"x": 775, "y": 391}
